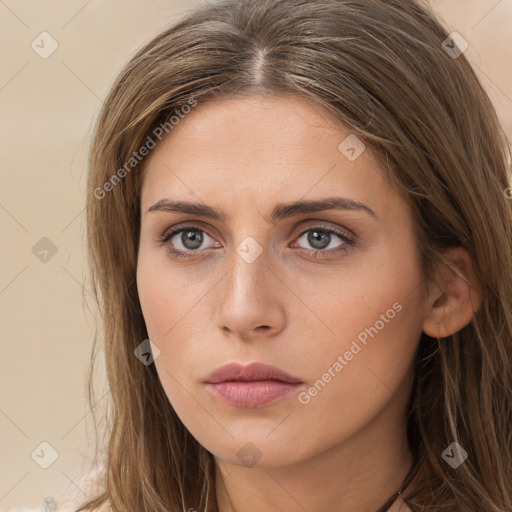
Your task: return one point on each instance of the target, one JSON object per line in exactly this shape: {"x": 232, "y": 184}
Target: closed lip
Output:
{"x": 253, "y": 372}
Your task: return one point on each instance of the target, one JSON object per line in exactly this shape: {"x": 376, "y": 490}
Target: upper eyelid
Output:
{"x": 304, "y": 226}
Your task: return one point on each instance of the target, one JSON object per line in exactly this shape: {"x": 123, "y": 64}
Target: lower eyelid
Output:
{"x": 345, "y": 238}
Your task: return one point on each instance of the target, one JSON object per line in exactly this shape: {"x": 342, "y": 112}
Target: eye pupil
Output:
{"x": 315, "y": 235}
{"x": 192, "y": 236}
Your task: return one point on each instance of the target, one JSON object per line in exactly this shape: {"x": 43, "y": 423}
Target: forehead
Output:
{"x": 258, "y": 149}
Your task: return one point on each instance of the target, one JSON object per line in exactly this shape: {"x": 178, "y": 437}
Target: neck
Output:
{"x": 359, "y": 474}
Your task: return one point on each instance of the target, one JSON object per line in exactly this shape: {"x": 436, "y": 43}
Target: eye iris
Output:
{"x": 313, "y": 239}
{"x": 192, "y": 236}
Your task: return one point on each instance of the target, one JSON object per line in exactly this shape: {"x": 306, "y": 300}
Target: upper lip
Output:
{"x": 249, "y": 373}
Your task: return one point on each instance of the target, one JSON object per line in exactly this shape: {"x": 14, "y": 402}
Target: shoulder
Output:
{"x": 50, "y": 504}
{"x": 73, "y": 498}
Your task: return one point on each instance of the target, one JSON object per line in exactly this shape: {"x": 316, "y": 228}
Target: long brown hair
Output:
{"x": 392, "y": 73}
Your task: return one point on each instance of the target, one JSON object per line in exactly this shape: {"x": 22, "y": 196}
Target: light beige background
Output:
{"x": 47, "y": 111}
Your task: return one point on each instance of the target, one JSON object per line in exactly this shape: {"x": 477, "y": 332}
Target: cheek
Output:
{"x": 166, "y": 319}
{"x": 152, "y": 297}
{"x": 366, "y": 369}
{"x": 374, "y": 317}
{"x": 163, "y": 294}
{"x": 171, "y": 308}
{"x": 379, "y": 291}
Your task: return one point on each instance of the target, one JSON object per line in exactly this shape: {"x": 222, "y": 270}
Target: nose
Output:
{"x": 250, "y": 299}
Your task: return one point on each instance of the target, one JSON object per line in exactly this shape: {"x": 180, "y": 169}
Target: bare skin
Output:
{"x": 344, "y": 447}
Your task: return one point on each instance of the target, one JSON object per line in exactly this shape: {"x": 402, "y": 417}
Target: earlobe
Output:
{"x": 452, "y": 303}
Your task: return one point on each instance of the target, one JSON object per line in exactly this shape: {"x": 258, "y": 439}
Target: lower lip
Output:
{"x": 252, "y": 394}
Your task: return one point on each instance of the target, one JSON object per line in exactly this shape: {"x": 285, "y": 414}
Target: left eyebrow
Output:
{"x": 280, "y": 211}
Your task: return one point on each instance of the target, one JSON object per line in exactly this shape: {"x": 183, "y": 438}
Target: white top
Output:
{"x": 70, "y": 501}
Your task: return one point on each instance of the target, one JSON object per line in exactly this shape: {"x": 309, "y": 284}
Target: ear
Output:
{"x": 453, "y": 297}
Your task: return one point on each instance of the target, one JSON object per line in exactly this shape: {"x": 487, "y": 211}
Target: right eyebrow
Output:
{"x": 280, "y": 211}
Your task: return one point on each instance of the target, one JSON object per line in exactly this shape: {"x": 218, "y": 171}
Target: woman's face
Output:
{"x": 344, "y": 321}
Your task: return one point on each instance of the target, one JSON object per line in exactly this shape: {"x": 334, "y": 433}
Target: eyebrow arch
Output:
{"x": 280, "y": 211}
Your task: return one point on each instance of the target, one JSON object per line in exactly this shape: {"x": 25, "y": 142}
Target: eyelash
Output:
{"x": 348, "y": 241}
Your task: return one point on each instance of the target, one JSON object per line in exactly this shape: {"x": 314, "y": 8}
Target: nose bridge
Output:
{"x": 249, "y": 297}
{"x": 248, "y": 274}
{"x": 250, "y": 256}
